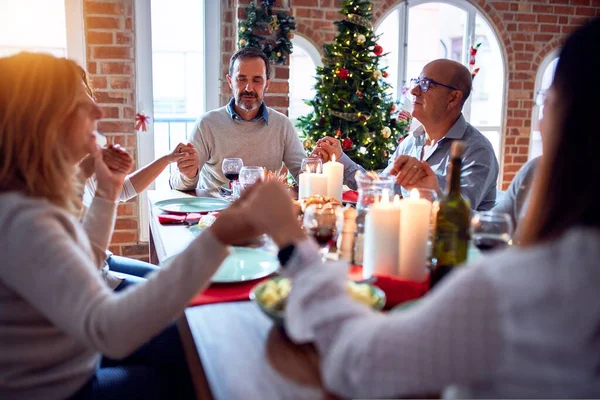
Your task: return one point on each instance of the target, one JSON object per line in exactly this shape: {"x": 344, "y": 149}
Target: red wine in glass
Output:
{"x": 232, "y": 176}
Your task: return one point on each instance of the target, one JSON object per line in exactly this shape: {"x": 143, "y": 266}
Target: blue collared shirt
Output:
{"x": 262, "y": 114}
{"x": 479, "y": 173}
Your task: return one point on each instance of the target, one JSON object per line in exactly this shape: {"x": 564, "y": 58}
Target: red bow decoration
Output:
{"x": 473, "y": 53}
{"x": 141, "y": 122}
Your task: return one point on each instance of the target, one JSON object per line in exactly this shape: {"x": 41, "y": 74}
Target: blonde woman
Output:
{"x": 57, "y": 316}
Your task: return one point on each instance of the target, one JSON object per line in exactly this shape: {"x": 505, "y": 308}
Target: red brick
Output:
{"x": 126, "y": 209}
{"x": 565, "y": 10}
{"x": 549, "y": 19}
{"x": 279, "y": 88}
{"x": 121, "y": 83}
{"x": 590, "y": 12}
{"x": 128, "y": 23}
{"x": 542, "y": 8}
{"x": 124, "y": 237}
{"x": 126, "y": 223}
{"x": 128, "y": 112}
{"x": 306, "y": 3}
{"x": 136, "y": 250}
{"x": 113, "y": 52}
{"x": 98, "y": 82}
{"x": 543, "y": 37}
{"x": 115, "y": 127}
{"x": 103, "y": 97}
{"x": 526, "y": 17}
{"x": 550, "y": 28}
{"x": 124, "y": 38}
{"x": 501, "y": 6}
{"x": 281, "y": 73}
{"x": 110, "y": 112}
{"x": 94, "y": 37}
{"x": 92, "y": 7}
{"x": 509, "y": 141}
{"x": 579, "y": 2}
{"x": 523, "y": 141}
{"x": 523, "y": 27}
{"x": 301, "y": 12}
{"x": 116, "y": 68}
{"x": 277, "y": 101}
{"x": 101, "y": 23}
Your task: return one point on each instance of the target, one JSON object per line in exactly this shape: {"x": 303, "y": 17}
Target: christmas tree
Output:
{"x": 352, "y": 102}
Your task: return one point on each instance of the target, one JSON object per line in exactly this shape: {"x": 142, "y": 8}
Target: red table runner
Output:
{"x": 397, "y": 290}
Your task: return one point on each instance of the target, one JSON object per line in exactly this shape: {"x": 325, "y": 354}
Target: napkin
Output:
{"x": 191, "y": 218}
{"x": 223, "y": 293}
{"x": 350, "y": 195}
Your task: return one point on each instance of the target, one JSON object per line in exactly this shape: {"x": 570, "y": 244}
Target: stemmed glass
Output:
{"x": 491, "y": 230}
{"x": 231, "y": 169}
{"x": 323, "y": 222}
{"x": 314, "y": 165}
{"x": 250, "y": 175}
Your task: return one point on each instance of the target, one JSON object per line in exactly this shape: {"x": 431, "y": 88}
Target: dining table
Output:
{"x": 233, "y": 350}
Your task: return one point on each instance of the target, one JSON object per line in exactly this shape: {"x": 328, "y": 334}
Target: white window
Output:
{"x": 303, "y": 59}
{"x": 425, "y": 31}
{"x": 543, "y": 81}
{"x": 178, "y": 78}
{"x": 48, "y": 26}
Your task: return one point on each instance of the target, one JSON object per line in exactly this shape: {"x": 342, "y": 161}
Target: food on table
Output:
{"x": 207, "y": 220}
{"x": 275, "y": 293}
{"x": 316, "y": 199}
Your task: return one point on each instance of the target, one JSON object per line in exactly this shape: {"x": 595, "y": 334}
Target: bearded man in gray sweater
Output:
{"x": 244, "y": 128}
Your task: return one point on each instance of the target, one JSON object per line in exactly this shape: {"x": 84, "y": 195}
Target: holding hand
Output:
{"x": 411, "y": 173}
{"x": 326, "y": 148}
{"x": 110, "y": 180}
{"x": 117, "y": 158}
{"x": 187, "y": 159}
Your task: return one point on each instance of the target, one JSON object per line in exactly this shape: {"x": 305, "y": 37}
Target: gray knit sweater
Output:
{"x": 56, "y": 313}
{"x": 216, "y": 135}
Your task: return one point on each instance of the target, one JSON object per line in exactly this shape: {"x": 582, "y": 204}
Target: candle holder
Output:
{"x": 311, "y": 165}
{"x": 323, "y": 222}
{"x": 370, "y": 188}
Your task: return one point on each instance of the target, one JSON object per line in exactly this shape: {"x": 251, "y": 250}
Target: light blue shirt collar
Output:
{"x": 263, "y": 112}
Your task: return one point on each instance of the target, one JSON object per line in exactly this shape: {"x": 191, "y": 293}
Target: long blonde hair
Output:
{"x": 37, "y": 99}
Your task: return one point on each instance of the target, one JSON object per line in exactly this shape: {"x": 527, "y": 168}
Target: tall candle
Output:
{"x": 334, "y": 171}
{"x": 311, "y": 183}
{"x": 382, "y": 230}
{"x": 415, "y": 217}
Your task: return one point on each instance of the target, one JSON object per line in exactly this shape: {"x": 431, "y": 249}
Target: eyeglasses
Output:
{"x": 424, "y": 84}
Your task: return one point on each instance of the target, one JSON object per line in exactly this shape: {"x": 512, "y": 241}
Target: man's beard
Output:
{"x": 248, "y": 104}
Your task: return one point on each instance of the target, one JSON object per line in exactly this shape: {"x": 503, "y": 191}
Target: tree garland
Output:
{"x": 267, "y": 31}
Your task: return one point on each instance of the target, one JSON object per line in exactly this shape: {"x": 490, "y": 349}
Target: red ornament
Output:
{"x": 384, "y": 74}
{"x": 343, "y": 73}
{"x": 393, "y": 108}
{"x": 359, "y": 94}
{"x": 347, "y": 143}
{"x": 338, "y": 133}
{"x": 378, "y": 50}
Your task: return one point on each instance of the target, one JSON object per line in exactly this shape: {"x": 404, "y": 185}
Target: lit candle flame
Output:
{"x": 414, "y": 194}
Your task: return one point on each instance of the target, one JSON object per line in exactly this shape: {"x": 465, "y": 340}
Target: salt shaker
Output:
{"x": 346, "y": 239}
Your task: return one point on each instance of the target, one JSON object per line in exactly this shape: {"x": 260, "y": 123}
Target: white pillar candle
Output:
{"x": 334, "y": 171}
{"x": 311, "y": 183}
{"x": 415, "y": 217}
{"x": 382, "y": 230}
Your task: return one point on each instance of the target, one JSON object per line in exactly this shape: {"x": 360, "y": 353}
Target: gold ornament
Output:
{"x": 274, "y": 24}
{"x": 278, "y": 54}
{"x": 377, "y": 75}
{"x": 242, "y": 42}
{"x": 386, "y": 132}
{"x": 361, "y": 39}
{"x": 243, "y": 29}
{"x": 289, "y": 36}
{"x": 308, "y": 144}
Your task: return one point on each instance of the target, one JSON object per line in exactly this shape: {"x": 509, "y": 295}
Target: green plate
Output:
{"x": 243, "y": 264}
{"x": 277, "y": 314}
{"x": 192, "y": 204}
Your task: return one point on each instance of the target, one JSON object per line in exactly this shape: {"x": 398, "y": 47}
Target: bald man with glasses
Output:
{"x": 423, "y": 158}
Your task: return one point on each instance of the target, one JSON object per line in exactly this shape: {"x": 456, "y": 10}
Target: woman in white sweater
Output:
{"x": 520, "y": 323}
{"x": 57, "y": 315}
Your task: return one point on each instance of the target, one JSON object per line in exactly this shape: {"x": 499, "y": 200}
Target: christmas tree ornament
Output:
{"x": 393, "y": 108}
{"x": 378, "y": 50}
{"x": 385, "y": 74}
{"x": 338, "y": 133}
{"x": 242, "y": 43}
{"x": 386, "y": 132}
{"x": 362, "y": 150}
{"x": 347, "y": 143}
{"x": 343, "y": 73}
{"x": 242, "y": 29}
{"x": 361, "y": 39}
{"x": 359, "y": 94}
{"x": 308, "y": 144}
{"x": 377, "y": 75}
{"x": 385, "y": 153}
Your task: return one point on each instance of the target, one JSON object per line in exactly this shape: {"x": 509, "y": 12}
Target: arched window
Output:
{"x": 424, "y": 31}
{"x": 543, "y": 81}
{"x": 303, "y": 68}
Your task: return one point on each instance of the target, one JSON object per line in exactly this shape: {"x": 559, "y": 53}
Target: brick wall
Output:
{"x": 110, "y": 52}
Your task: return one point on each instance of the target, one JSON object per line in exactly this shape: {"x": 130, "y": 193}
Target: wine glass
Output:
{"x": 323, "y": 222}
{"x": 314, "y": 165}
{"x": 250, "y": 175}
{"x": 231, "y": 168}
{"x": 491, "y": 230}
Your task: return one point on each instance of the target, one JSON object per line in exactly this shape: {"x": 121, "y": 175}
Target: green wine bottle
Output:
{"x": 452, "y": 222}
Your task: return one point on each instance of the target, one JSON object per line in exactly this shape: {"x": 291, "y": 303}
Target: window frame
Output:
{"x": 144, "y": 89}
{"x": 472, "y": 11}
